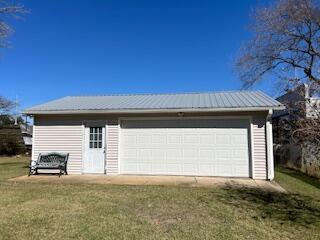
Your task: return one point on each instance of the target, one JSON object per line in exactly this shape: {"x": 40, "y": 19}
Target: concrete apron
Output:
{"x": 153, "y": 180}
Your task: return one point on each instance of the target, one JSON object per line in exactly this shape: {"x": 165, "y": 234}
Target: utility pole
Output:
{"x": 16, "y": 112}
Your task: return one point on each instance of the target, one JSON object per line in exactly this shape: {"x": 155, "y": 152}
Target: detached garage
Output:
{"x": 225, "y": 134}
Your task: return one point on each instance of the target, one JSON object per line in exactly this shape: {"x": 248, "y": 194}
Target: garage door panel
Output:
{"x": 129, "y": 139}
{"x": 173, "y": 153}
{"x": 207, "y": 138}
{"x": 239, "y": 139}
{"x": 206, "y": 169}
{"x": 220, "y": 168}
{"x": 130, "y": 153}
{"x": 173, "y": 139}
{"x": 159, "y": 168}
{"x": 189, "y": 169}
{"x": 222, "y": 154}
{"x": 159, "y": 153}
{"x": 206, "y": 154}
{"x": 239, "y": 154}
{"x": 159, "y": 139}
{"x": 190, "y": 153}
{"x": 174, "y": 169}
{"x": 144, "y": 139}
{"x": 240, "y": 171}
{"x": 145, "y": 154}
{"x": 190, "y": 138}
{"x": 182, "y": 148}
{"x": 129, "y": 167}
{"x": 223, "y": 139}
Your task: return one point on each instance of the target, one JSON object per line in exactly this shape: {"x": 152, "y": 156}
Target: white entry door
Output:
{"x": 94, "y": 160}
{"x": 197, "y": 147}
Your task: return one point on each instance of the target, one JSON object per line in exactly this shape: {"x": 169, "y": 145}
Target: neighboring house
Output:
{"x": 199, "y": 134}
{"x": 300, "y": 104}
{"x": 26, "y": 131}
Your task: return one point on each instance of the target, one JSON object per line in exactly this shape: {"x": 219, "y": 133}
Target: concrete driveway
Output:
{"x": 152, "y": 180}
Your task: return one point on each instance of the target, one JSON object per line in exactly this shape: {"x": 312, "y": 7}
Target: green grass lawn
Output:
{"x": 89, "y": 211}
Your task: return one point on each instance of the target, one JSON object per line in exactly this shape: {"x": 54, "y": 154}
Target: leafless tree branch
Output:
{"x": 5, "y": 105}
{"x": 286, "y": 46}
{"x": 286, "y": 40}
{"x": 8, "y": 10}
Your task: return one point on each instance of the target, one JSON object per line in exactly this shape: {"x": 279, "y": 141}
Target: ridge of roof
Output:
{"x": 165, "y": 93}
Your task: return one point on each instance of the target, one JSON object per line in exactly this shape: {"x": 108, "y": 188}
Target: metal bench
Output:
{"x": 54, "y": 161}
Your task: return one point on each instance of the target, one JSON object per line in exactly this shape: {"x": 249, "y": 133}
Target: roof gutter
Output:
{"x": 117, "y": 111}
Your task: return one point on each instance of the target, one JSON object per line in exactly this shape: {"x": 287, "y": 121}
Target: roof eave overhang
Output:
{"x": 131, "y": 111}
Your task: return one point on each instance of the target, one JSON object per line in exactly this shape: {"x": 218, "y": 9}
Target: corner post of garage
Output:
{"x": 270, "y": 160}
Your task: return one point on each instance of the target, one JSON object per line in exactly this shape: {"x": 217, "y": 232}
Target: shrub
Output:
{"x": 10, "y": 145}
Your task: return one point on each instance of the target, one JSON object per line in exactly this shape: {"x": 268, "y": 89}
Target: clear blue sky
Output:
{"x": 105, "y": 47}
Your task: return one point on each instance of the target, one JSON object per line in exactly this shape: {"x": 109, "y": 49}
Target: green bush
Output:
{"x": 9, "y": 145}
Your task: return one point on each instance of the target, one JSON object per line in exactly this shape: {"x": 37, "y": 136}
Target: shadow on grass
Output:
{"x": 264, "y": 204}
{"x": 301, "y": 176}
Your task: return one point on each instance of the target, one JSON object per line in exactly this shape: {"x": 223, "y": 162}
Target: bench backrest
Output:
{"x": 52, "y": 159}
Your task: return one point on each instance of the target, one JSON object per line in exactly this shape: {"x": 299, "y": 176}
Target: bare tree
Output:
{"x": 286, "y": 44}
{"x": 5, "y": 105}
{"x": 305, "y": 123}
{"x": 8, "y": 10}
{"x": 285, "y": 48}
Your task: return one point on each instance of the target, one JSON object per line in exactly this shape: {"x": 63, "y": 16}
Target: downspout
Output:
{"x": 269, "y": 145}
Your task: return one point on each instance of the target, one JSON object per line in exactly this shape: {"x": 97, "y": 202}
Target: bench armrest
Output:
{"x": 65, "y": 160}
{"x": 32, "y": 163}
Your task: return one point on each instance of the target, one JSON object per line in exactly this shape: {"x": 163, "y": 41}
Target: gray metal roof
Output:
{"x": 211, "y": 101}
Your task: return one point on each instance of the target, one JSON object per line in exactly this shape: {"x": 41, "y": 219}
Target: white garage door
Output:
{"x": 198, "y": 147}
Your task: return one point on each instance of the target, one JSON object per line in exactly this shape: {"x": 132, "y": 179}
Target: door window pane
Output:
{"x": 95, "y": 140}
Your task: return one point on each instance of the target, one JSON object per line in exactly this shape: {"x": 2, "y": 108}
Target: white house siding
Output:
{"x": 259, "y": 148}
{"x": 65, "y": 138}
{"x": 112, "y": 142}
